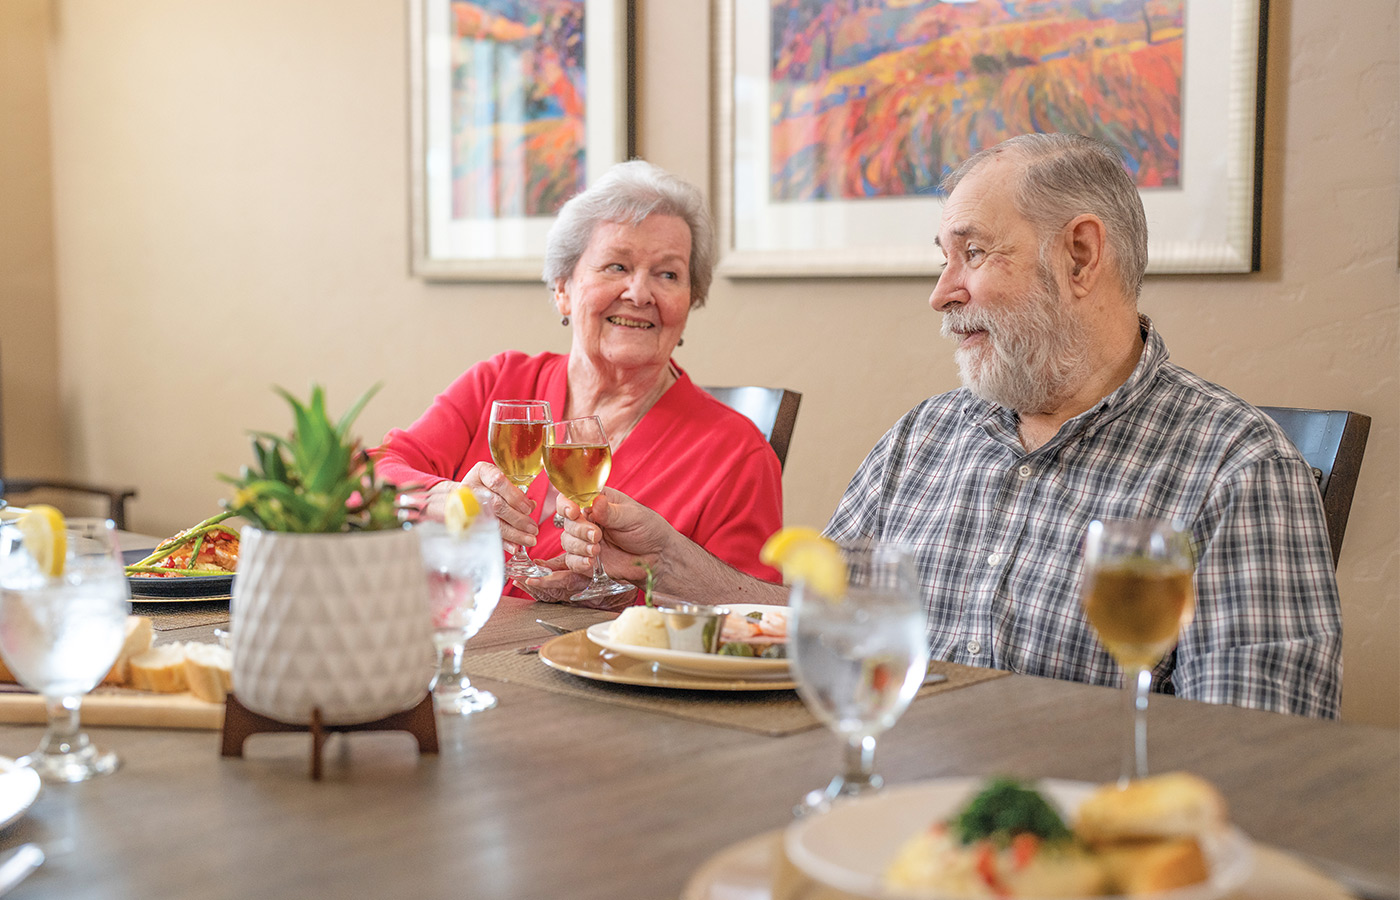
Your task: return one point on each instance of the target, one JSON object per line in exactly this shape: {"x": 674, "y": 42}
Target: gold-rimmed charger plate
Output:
{"x": 575, "y": 654}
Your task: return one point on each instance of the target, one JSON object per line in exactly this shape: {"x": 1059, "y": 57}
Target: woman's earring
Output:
{"x": 564, "y": 321}
{"x": 680, "y": 343}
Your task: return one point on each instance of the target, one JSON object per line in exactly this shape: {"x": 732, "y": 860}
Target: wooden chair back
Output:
{"x": 773, "y": 410}
{"x": 1333, "y": 441}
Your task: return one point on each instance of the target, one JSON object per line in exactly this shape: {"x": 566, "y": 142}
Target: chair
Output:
{"x": 116, "y": 496}
{"x": 1333, "y": 442}
{"x": 773, "y": 410}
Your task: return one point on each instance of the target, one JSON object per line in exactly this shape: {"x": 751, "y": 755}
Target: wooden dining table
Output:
{"x": 625, "y": 794}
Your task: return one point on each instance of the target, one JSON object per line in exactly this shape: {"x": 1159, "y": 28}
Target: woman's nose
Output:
{"x": 639, "y": 289}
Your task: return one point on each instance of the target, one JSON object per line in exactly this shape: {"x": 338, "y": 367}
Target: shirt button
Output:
{"x": 994, "y": 559}
{"x": 974, "y": 647}
{"x": 1025, "y": 471}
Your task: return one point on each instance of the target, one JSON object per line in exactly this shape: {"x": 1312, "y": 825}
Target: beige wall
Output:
{"x": 229, "y": 210}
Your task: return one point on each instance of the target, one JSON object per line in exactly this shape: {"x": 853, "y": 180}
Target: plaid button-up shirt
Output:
{"x": 998, "y": 533}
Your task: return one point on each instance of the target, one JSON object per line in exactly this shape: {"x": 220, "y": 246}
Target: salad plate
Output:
{"x": 576, "y": 654}
{"x": 19, "y": 786}
{"x": 174, "y": 588}
{"x": 712, "y": 665}
{"x": 850, "y": 847}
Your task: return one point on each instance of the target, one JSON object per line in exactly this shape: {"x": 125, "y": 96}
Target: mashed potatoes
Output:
{"x": 640, "y": 626}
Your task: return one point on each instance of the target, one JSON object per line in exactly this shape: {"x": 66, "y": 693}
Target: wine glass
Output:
{"x": 577, "y": 460}
{"x": 517, "y": 448}
{"x": 1138, "y": 595}
{"x": 466, "y": 575}
{"x": 60, "y": 634}
{"x": 858, "y": 659}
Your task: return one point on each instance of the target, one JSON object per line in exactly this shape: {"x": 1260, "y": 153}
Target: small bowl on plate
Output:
{"x": 692, "y": 627}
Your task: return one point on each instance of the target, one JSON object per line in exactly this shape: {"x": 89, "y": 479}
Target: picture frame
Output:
{"x": 505, "y": 125}
{"x": 1208, "y": 221}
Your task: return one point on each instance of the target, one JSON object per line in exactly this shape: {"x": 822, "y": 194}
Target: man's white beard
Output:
{"x": 1035, "y": 353}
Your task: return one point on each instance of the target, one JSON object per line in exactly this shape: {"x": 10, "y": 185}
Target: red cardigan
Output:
{"x": 697, "y": 462}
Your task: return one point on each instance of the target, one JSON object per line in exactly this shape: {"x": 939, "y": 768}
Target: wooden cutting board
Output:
{"x": 118, "y": 706}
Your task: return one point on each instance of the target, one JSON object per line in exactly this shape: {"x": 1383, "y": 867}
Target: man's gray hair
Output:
{"x": 1066, "y": 175}
{"x": 626, "y": 194}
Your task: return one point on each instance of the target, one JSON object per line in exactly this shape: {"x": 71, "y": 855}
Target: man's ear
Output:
{"x": 1085, "y": 240}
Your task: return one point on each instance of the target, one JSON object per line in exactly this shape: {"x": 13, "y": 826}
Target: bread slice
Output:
{"x": 1176, "y": 804}
{"x": 209, "y": 671}
{"x": 1149, "y": 866}
{"x": 140, "y": 635}
{"x": 160, "y": 669}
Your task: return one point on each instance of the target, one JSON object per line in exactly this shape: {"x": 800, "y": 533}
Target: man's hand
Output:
{"x": 629, "y": 536}
{"x": 563, "y": 584}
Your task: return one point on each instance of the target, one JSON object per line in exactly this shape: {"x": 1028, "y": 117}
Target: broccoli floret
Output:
{"x": 1006, "y": 808}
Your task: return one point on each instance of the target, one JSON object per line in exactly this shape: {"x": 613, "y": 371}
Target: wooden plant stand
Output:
{"x": 240, "y": 723}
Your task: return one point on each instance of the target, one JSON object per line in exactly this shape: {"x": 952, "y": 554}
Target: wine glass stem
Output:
{"x": 1138, "y": 683}
{"x": 449, "y": 679}
{"x": 63, "y": 734}
{"x": 860, "y": 762}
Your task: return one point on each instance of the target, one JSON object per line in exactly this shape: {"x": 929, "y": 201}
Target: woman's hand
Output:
{"x": 506, "y": 501}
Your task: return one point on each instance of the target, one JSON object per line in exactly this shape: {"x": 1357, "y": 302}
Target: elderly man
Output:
{"x": 1070, "y": 412}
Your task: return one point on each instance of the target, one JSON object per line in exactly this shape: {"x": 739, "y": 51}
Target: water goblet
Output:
{"x": 577, "y": 460}
{"x": 1137, "y": 594}
{"x": 517, "y": 449}
{"x": 859, "y": 658}
{"x": 60, "y": 634}
{"x": 466, "y": 575}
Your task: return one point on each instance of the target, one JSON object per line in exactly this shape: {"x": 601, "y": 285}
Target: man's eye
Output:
{"x": 973, "y": 254}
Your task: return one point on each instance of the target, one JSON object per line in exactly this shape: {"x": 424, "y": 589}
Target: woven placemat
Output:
{"x": 169, "y": 616}
{"x": 773, "y": 713}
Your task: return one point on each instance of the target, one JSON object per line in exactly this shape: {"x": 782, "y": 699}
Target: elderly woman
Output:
{"x": 627, "y": 260}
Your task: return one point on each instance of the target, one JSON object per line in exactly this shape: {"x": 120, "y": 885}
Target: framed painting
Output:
{"x": 839, "y": 118}
{"x": 515, "y": 107}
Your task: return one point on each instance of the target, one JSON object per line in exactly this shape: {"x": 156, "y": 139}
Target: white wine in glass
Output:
{"x": 60, "y": 634}
{"x": 858, "y": 659}
{"x": 1138, "y": 594}
{"x": 577, "y": 460}
{"x": 517, "y": 449}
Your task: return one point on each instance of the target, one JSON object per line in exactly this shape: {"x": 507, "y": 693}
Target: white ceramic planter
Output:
{"x": 335, "y": 621}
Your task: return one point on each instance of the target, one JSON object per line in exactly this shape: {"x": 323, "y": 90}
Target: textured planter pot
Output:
{"x": 335, "y": 621}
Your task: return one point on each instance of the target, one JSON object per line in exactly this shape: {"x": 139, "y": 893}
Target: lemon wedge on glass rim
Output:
{"x": 45, "y": 538}
{"x": 461, "y": 509}
{"x": 804, "y": 554}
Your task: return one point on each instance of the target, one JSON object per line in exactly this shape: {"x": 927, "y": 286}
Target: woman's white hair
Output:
{"x": 626, "y": 194}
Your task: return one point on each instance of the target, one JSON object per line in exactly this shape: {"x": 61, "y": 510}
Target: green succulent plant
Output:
{"x": 317, "y": 481}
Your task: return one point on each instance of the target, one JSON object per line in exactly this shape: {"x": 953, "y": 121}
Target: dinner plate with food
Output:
{"x": 196, "y": 564}
{"x": 752, "y": 642}
{"x": 1167, "y": 837}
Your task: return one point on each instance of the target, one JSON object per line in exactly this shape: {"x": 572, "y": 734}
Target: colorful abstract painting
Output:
{"x": 518, "y": 107}
{"x": 880, "y": 98}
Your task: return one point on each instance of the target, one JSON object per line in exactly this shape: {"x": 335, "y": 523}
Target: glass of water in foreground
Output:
{"x": 858, "y": 659}
{"x": 60, "y": 634}
{"x": 466, "y": 574}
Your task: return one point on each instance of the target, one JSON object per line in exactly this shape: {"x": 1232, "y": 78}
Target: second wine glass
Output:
{"x": 517, "y": 449}
{"x": 577, "y": 460}
{"x": 859, "y": 658}
{"x": 1138, "y": 594}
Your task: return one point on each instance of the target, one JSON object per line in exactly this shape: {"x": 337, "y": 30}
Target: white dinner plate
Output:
{"x": 850, "y": 847}
{"x": 711, "y": 664}
{"x": 19, "y": 785}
